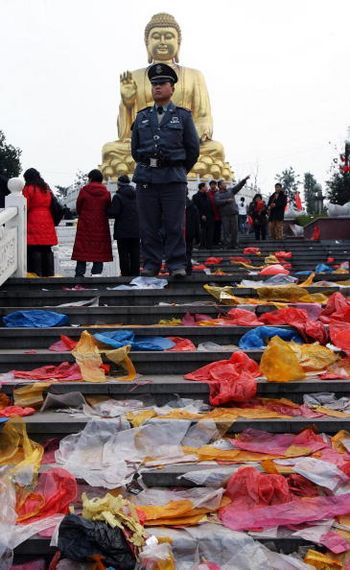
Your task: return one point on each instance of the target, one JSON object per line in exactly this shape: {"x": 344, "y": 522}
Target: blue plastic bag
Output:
{"x": 259, "y": 337}
{"x": 323, "y": 268}
{"x": 35, "y": 319}
{"x": 117, "y": 339}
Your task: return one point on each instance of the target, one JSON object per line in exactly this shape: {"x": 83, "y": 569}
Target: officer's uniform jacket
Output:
{"x": 164, "y": 152}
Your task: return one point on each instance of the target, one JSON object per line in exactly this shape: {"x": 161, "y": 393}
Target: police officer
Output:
{"x": 165, "y": 146}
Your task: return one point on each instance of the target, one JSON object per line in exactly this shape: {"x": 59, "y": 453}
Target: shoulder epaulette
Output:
{"x": 144, "y": 109}
{"x": 184, "y": 109}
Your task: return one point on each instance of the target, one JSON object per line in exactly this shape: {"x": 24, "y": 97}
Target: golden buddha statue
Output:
{"x": 163, "y": 40}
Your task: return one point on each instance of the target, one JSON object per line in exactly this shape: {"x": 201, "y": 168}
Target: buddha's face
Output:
{"x": 163, "y": 44}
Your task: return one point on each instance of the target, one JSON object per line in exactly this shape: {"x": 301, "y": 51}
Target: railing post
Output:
{"x": 16, "y": 199}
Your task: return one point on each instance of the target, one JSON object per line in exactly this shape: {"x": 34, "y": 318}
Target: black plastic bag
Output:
{"x": 57, "y": 210}
{"x": 79, "y": 539}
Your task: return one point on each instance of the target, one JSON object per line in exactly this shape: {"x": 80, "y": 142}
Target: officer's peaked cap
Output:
{"x": 161, "y": 73}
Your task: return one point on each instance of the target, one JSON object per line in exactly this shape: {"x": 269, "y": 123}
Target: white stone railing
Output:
{"x": 13, "y": 233}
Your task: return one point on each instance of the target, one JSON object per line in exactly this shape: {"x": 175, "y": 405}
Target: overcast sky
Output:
{"x": 277, "y": 72}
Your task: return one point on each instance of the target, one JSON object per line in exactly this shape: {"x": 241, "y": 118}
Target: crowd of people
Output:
{"x": 158, "y": 214}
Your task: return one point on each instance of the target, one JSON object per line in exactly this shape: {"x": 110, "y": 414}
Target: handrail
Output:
{"x": 7, "y": 214}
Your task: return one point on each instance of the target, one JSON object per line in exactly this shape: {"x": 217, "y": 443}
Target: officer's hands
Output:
{"x": 128, "y": 87}
{"x": 246, "y": 178}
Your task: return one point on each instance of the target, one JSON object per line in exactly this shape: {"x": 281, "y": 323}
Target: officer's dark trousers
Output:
{"x": 129, "y": 256}
{"x": 207, "y": 233}
{"x": 162, "y": 206}
{"x": 40, "y": 260}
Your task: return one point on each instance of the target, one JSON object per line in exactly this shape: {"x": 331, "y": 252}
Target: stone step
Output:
{"x": 187, "y": 292}
{"x": 59, "y": 424}
{"x": 42, "y": 338}
{"x": 161, "y": 388}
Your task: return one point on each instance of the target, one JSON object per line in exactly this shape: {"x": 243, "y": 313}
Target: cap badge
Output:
{"x": 159, "y": 69}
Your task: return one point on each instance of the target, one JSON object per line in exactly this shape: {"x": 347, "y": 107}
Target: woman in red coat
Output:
{"x": 93, "y": 238}
{"x": 41, "y": 233}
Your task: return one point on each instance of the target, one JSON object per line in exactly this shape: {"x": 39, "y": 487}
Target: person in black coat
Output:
{"x": 276, "y": 205}
{"x": 192, "y": 232}
{"x": 4, "y": 191}
{"x": 202, "y": 201}
{"x": 126, "y": 227}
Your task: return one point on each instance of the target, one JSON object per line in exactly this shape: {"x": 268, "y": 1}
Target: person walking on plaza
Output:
{"x": 165, "y": 147}
{"x": 202, "y": 201}
{"x": 276, "y": 207}
{"x": 192, "y": 231}
{"x": 213, "y": 189}
{"x": 126, "y": 227}
{"x": 258, "y": 212}
{"x": 93, "y": 238}
{"x": 226, "y": 202}
{"x": 41, "y": 232}
{"x": 242, "y": 215}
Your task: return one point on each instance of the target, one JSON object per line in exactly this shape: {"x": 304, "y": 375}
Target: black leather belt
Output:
{"x": 160, "y": 162}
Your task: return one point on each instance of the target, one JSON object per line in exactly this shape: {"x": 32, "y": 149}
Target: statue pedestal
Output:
{"x": 330, "y": 228}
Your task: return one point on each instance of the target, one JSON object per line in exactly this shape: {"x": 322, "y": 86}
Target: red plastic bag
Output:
{"x": 181, "y": 344}
{"x": 248, "y": 488}
{"x": 65, "y": 344}
{"x": 301, "y": 487}
{"x": 316, "y": 233}
{"x": 199, "y": 267}
{"x": 242, "y": 317}
{"x": 232, "y": 380}
{"x": 287, "y": 316}
{"x": 336, "y": 309}
{"x": 192, "y": 319}
{"x": 12, "y": 411}
{"x": 276, "y": 269}
{"x": 213, "y": 260}
{"x": 55, "y": 490}
{"x": 252, "y": 251}
{"x": 283, "y": 254}
{"x": 340, "y": 335}
{"x": 239, "y": 260}
{"x": 64, "y": 371}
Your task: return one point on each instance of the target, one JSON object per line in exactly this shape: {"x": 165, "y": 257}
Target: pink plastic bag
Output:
{"x": 242, "y": 317}
{"x": 276, "y": 269}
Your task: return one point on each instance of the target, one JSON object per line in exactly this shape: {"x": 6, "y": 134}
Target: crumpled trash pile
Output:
{"x": 254, "y": 485}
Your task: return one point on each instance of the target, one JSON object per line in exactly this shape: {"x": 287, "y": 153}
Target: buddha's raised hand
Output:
{"x": 128, "y": 87}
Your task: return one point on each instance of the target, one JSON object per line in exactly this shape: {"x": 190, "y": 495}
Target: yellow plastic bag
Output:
{"x": 30, "y": 394}
{"x": 290, "y": 293}
{"x": 16, "y": 448}
{"x": 313, "y": 356}
{"x": 88, "y": 359}
{"x": 322, "y": 561}
{"x": 120, "y": 356}
{"x": 279, "y": 362}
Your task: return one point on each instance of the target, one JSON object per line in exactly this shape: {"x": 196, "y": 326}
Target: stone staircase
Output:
{"x": 161, "y": 372}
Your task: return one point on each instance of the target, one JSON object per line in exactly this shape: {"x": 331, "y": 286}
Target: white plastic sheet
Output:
{"x": 318, "y": 471}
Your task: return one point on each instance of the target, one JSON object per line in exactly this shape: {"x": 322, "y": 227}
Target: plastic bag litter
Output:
{"x": 35, "y": 318}
{"x": 275, "y": 269}
{"x": 290, "y": 293}
{"x": 213, "y": 347}
{"x": 279, "y": 444}
{"x": 229, "y": 550}
{"x": 336, "y": 309}
{"x": 142, "y": 283}
{"x": 39, "y": 564}
{"x": 242, "y": 317}
{"x": 54, "y": 492}
{"x": 283, "y": 254}
{"x": 340, "y": 336}
{"x": 285, "y": 316}
{"x": 65, "y": 344}
{"x": 258, "y": 337}
{"x": 17, "y": 450}
{"x": 65, "y": 371}
{"x": 120, "y": 357}
{"x": 229, "y": 380}
{"x": 156, "y": 556}
{"x": 23, "y": 532}
{"x": 320, "y": 472}
{"x": 88, "y": 358}
{"x": 181, "y": 344}
{"x": 279, "y": 362}
{"x": 252, "y": 251}
{"x": 80, "y": 539}
{"x": 117, "y": 339}
{"x": 16, "y": 411}
{"x": 297, "y": 511}
{"x": 30, "y": 395}
{"x": 278, "y": 279}
{"x": 323, "y": 268}
{"x": 7, "y": 521}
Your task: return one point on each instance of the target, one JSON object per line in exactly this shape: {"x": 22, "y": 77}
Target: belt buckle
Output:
{"x": 153, "y": 162}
